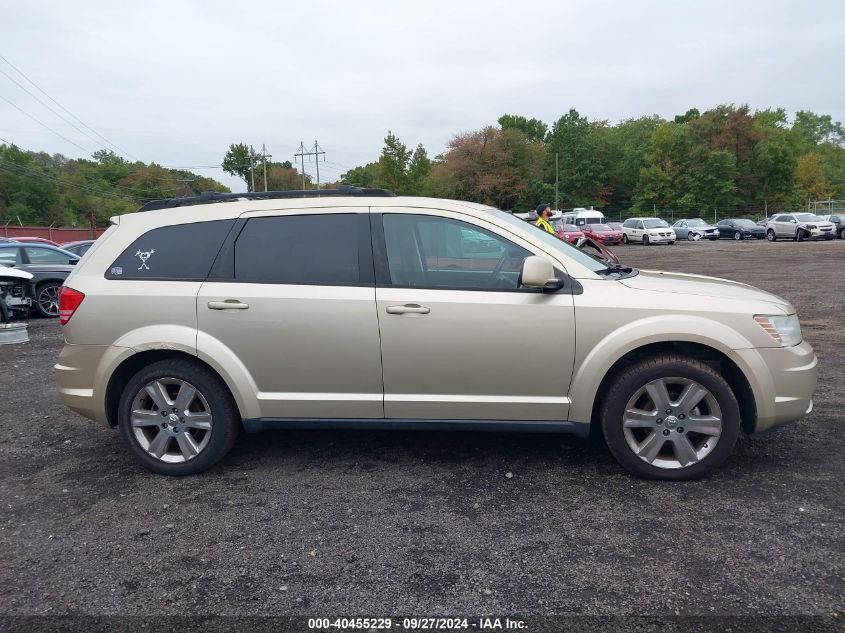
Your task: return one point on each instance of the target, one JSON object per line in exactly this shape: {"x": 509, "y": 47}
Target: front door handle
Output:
{"x": 228, "y": 304}
{"x": 408, "y": 308}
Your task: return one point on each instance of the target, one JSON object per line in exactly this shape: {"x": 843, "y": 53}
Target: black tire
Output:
{"x": 226, "y": 421}
{"x": 45, "y": 294}
{"x": 672, "y": 242}
{"x": 645, "y": 240}
{"x": 771, "y": 235}
{"x": 842, "y": 233}
{"x": 737, "y": 235}
{"x": 691, "y": 236}
{"x": 800, "y": 235}
{"x": 624, "y": 238}
{"x": 627, "y": 383}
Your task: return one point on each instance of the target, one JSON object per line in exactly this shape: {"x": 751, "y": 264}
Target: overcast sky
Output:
{"x": 176, "y": 82}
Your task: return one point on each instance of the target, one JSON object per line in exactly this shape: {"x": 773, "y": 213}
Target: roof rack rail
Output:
{"x": 214, "y": 196}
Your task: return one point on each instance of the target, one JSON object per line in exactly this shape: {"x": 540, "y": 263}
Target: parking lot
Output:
{"x": 423, "y": 523}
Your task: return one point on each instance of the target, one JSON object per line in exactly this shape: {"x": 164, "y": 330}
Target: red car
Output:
{"x": 35, "y": 240}
{"x": 602, "y": 233}
{"x": 568, "y": 232}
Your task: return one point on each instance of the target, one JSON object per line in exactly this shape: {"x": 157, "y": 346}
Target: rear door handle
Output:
{"x": 228, "y": 304}
{"x": 408, "y": 308}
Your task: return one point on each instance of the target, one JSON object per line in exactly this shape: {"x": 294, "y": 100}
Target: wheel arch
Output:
{"x": 127, "y": 368}
{"x": 713, "y": 357}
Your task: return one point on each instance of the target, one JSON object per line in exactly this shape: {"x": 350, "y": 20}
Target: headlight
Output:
{"x": 784, "y": 328}
{"x": 812, "y": 226}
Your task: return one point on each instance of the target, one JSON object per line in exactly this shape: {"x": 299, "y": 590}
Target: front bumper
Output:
{"x": 783, "y": 380}
{"x": 660, "y": 239}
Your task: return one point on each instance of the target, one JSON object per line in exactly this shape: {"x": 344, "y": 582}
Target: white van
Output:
{"x": 581, "y": 216}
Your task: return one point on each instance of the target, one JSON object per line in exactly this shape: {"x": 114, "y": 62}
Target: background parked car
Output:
{"x": 740, "y": 229}
{"x": 799, "y": 227}
{"x": 648, "y": 231}
{"x": 838, "y": 222}
{"x": 616, "y": 226}
{"x": 602, "y": 233}
{"x": 49, "y": 266}
{"x": 567, "y": 232}
{"x": 79, "y": 247}
{"x": 35, "y": 240}
{"x": 694, "y": 229}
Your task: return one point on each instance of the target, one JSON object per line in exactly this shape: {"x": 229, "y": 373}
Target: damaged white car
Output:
{"x": 15, "y": 303}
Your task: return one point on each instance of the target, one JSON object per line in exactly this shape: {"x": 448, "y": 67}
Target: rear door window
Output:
{"x": 301, "y": 249}
{"x": 183, "y": 252}
{"x": 37, "y": 255}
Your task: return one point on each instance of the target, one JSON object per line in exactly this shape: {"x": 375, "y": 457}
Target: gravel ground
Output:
{"x": 413, "y": 523}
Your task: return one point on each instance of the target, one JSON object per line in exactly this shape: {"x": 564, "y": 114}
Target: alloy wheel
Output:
{"x": 171, "y": 420}
{"x": 672, "y": 422}
{"x": 48, "y": 300}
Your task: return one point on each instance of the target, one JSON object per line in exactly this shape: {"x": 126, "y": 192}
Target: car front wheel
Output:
{"x": 770, "y": 235}
{"x": 624, "y": 239}
{"x": 670, "y": 417}
{"x": 737, "y": 235}
{"x": 842, "y": 233}
{"x": 645, "y": 240}
{"x": 177, "y": 417}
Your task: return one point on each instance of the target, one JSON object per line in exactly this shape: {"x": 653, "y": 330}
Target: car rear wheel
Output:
{"x": 177, "y": 417}
{"x": 670, "y": 417}
{"x": 645, "y": 240}
{"x": 47, "y": 299}
{"x": 770, "y": 235}
{"x": 737, "y": 235}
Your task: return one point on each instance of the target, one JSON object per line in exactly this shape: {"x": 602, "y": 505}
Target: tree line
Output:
{"x": 727, "y": 158}
{"x": 40, "y": 189}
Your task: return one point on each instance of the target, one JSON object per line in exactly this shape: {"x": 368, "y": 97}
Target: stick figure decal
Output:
{"x": 144, "y": 256}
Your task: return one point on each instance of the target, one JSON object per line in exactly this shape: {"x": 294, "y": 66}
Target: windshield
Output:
{"x": 600, "y": 227}
{"x": 807, "y": 217}
{"x": 554, "y": 244}
{"x": 744, "y": 223}
{"x": 655, "y": 223}
{"x": 696, "y": 222}
{"x": 570, "y": 228}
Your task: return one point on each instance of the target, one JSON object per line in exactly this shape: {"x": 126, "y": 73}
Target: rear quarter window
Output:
{"x": 183, "y": 252}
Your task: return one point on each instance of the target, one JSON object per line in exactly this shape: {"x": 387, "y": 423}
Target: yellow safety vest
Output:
{"x": 544, "y": 225}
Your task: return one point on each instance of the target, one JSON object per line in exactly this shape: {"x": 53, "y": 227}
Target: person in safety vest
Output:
{"x": 544, "y": 212}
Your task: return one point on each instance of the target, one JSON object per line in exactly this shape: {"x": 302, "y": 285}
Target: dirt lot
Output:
{"x": 367, "y": 523}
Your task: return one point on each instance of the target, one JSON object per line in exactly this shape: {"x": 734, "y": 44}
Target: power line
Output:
{"x": 42, "y": 91}
{"x": 75, "y": 127}
{"x": 45, "y": 125}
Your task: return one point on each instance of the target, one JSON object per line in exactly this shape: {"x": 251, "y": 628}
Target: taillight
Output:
{"x": 69, "y": 301}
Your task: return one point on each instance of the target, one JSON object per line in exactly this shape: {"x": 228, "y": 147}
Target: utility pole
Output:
{"x": 316, "y": 154}
{"x": 252, "y": 167}
{"x": 264, "y": 157}
{"x": 557, "y": 183}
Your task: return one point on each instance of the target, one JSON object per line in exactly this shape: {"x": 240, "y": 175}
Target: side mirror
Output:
{"x": 538, "y": 272}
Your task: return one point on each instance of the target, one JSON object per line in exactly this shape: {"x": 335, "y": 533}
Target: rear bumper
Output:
{"x": 82, "y": 374}
{"x": 783, "y": 380}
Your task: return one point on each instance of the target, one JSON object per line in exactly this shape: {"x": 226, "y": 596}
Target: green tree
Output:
{"x": 392, "y": 165}
{"x": 239, "y": 161}
{"x": 534, "y": 129}
{"x": 419, "y": 174}
{"x": 576, "y": 141}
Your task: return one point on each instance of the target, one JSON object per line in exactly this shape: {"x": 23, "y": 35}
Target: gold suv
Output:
{"x": 359, "y": 309}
